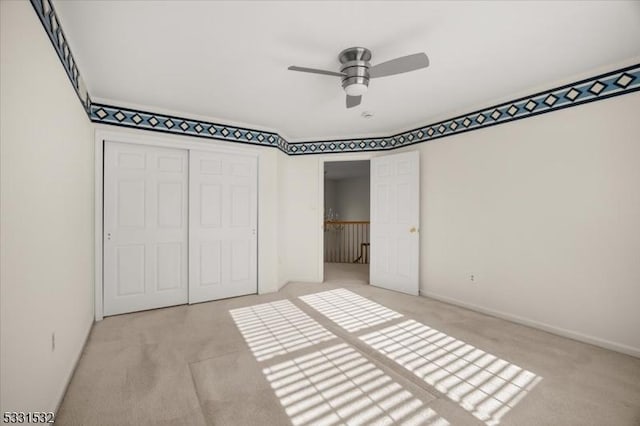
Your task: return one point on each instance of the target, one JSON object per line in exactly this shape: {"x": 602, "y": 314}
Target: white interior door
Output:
{"x": 222, "y": 225}
{"x": 145, "y": 227}
{"x": 395, "y": 215}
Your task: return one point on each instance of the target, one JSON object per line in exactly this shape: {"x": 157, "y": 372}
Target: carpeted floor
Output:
{"x": 346, "y": 273}
{"x": 342, "y": 352}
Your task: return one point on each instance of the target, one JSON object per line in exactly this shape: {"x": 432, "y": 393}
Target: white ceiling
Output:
{"x": 336, "y": 170}
{"x": 228, "y": 60}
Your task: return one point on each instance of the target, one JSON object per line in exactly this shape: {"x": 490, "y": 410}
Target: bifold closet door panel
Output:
{"x": 223, "y": 206}
{"x": 145, "y": 227}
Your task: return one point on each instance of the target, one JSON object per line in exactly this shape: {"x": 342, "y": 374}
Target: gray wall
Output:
{"x": 349, "y": 197}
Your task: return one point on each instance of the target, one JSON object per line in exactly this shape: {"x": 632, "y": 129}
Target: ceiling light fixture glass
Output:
{"x": 356, "y": 89}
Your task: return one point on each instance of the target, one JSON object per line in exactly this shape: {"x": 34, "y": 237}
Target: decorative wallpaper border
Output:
{"x": 614, "y": 83}
{"x": 603, "y": 86}
{"x": 51, "y": 24}
{"x": 128, "y": 117}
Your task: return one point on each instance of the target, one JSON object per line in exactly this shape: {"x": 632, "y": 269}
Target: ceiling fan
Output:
{"x": 356, "y": 70}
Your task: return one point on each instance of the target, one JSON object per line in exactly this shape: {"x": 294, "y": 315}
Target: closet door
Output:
{"x": 145, "y": 227}
{"x": 222, "y": 226}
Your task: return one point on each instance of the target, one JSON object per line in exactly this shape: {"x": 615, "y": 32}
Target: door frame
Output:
{"x": 333, "y": 159}
{"x": 155, "y": 140}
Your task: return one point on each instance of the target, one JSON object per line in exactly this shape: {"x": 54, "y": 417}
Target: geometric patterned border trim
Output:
{"x": 128, "y": 117}
{"x": 614, "y": 83}
{"x": 47, "y": 15}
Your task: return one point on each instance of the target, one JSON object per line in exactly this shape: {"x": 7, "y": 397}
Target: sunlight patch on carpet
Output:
{"x": 337, "y": 385}
{"x": 481, "y": 383}
{"x": 350, "y": 311}
{"x": 277, "y": 328}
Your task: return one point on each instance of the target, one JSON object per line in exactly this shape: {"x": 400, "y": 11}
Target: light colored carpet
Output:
{"x": 198, "y": 365}
{"x": 346, "y": 273}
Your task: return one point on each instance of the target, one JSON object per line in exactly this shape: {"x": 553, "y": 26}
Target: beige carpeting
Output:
{"x": 342, "y": 352}
{"x": 346, "y": 273}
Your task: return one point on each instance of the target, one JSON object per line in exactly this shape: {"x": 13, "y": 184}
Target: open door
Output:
{"x": 395, "y": 215}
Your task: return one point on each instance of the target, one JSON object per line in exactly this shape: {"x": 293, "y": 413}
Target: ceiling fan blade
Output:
{"x": 400, "y": 65}
{"x": 316, "y": 71}
{"x": 353, "y": 101}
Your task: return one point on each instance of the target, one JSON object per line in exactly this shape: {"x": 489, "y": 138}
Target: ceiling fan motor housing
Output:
{"x": 355, "y": 64}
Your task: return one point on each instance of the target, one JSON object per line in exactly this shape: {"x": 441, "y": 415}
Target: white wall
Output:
{"x": 301, "y": 214}
{"x": 545, "y": 212}
{"x": 46, "y": 236}
{"x": 269, "y": 279}
{"x": 283, "y": 276}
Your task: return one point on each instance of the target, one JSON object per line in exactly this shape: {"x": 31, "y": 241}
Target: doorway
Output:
{"x": 346, "y": 221}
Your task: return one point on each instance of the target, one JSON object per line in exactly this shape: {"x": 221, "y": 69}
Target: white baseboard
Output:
{"x": 603, "y": 343}
{"x": 75, "y": 366}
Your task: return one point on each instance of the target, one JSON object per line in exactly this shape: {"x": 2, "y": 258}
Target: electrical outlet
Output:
{"x": 53, "y": 341}
{"x": 472, "y": 278}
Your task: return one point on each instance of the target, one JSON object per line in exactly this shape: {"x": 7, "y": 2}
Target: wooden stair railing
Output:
{"x": 346, "y": 241}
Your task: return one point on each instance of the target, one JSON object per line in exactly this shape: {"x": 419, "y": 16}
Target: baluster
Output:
{"x": 351, "y": 256}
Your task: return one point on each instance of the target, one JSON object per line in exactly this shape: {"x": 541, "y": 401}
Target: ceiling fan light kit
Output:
{"x": 356, "y": 71}
{"x": 355, "y": 67}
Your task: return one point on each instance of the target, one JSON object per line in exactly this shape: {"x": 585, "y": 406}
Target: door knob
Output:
{"x": 109, "y": 236}
{"x": 413, "y": 229}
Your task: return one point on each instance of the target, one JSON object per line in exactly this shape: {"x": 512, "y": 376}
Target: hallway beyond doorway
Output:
{"x": 352, "y": 273}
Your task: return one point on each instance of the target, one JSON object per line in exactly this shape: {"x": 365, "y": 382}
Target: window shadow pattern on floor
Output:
{"x": 481, "y": 383}
{"x": 337, "y": 385}
{"x": 348, "y": 310}
{"x": 320, "y": 383}
{"x": 277, "y": 328}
